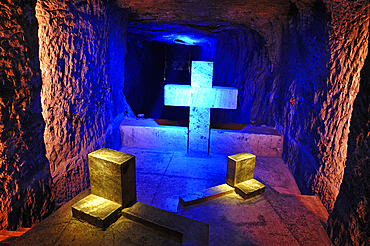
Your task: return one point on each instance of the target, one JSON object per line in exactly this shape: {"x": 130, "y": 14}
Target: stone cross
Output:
{"x": 200, "y": 96}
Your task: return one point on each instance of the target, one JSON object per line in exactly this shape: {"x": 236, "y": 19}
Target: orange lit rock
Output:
{"x": 25, "y": 182}
{"x": 349, "y": 223}
{"x": 322, "y": 52}
{"x": 76, "y": 94}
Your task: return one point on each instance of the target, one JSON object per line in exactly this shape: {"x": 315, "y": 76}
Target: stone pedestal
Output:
{"x": 113, "y": 186}
{"x": 239, "y": 178}
{"x": 240, "y": 168}
{"x": 240, "y": 173}
{"x": 112, "y": 176}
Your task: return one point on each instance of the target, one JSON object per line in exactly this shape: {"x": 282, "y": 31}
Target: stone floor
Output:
{"x": 280, "y": 216}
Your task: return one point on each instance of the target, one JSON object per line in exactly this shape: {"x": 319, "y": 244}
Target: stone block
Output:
{"x": 113, "y": 176}
{"x": 178, "y": 228}
{"x": 250, "y": 139}
{"x": 240, "y": 168}
{"x": 97, "y": 210}
{"x": 249, "y": 188}
{"x": 206, "y": 195}
{"x": 142, "y": 134}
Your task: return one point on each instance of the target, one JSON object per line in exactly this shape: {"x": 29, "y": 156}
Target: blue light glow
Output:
{"x": 185, "y": 39}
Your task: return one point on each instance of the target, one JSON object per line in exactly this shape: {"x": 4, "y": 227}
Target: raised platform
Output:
{"x": 227, "y": 138}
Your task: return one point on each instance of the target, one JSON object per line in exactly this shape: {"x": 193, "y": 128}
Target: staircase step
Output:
{"x": 7, "y": 237}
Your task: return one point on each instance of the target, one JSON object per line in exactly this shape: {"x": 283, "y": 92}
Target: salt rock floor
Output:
{"x": 280, "y": 216}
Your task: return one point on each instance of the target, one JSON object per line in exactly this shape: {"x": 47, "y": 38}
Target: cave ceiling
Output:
{"x": 200, "y": 20}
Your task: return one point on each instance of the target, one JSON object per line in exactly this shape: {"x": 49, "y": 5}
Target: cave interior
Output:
{"x": 72, "y": 71}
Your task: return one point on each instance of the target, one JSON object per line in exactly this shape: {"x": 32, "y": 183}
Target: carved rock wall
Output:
{"x": 79, "y": 101}
{"x": 25, "y": 181}
{"x": 242, "y": 61}
{"x": 144, "y": 75}
{"x": 349, "y": 223}
{"x": 322, "y": 53}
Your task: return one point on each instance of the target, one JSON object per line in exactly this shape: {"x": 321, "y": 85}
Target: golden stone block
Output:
{"x": 249, "y": 188}
{"x": 240, "y": 168}
{"x": 206, "y": 195}
{"x": 97, "y": 211}
{"x": 113, "y": 176}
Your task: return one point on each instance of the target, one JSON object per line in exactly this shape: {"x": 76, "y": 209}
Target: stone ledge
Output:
{"x": 206, "y": 195}
{"x": 147, "y": 133}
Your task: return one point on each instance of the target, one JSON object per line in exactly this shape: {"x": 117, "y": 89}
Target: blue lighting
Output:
{"x": 184, "y": 39}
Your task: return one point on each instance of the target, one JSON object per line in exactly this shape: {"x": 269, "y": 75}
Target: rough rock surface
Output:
{"x": 242, "y": 61}
{"x": 319, "y": 75}
{"x": 349, "y": 223}
{"x": 25, "y": 181}
{"x": 76, "y": 97}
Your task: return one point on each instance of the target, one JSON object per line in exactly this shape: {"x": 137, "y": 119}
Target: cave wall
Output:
{"x": 242, "y": 61}
{"x": 144, "y": 75}
{"x": 117, "y": 50}
{"x": 349, "y": 223}
{"x": 323, "y": 51}
{"x": 82, "y": 100}
{"x": 25, "y": 181}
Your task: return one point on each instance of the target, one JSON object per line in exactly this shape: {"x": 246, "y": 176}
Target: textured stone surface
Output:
{"x": 113, "y": 176}
{"x": 199, "y": 127}
{"x": 80, "y": 106}
{"x": 193, "y": 232}
{"x": 240, "y": 168}
{"x": 321, "y": 55}
{"x": 148, "y": 134}
{"x": 25, "y": 182}
{"x": 297, "y": 64}
{"x": 260, "y": 141}
{"x": 349, "y": 223}
{"x": 205, "y": 195}
{"x": 74, "y": 96}
{"x": 215, "y": 97}
{"x": 96, "y": 210}
{"x": 200, "y": 96}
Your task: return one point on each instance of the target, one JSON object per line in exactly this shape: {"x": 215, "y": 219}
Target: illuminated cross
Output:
{"x": 200, "y": 96}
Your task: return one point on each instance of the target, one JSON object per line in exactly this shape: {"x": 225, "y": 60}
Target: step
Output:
{"x": 147, "y": 133}
{"x": 7, "y": 237}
